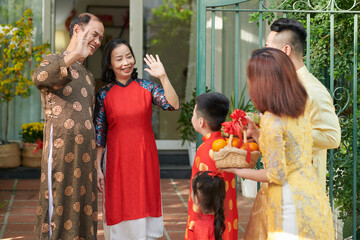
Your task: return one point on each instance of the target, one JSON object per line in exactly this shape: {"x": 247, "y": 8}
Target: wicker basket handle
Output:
{"x": 230, "y": 140}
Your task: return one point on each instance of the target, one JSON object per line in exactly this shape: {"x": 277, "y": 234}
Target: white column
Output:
{"x": 136, "y": 32}
{"x": 48, "y": 27}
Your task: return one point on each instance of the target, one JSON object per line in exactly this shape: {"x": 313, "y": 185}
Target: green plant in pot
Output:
{"x": 16, "y": 54}
{"x": 32, "y": 137}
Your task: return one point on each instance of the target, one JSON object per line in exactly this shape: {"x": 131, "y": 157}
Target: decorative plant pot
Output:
{"x": 192, "y": 152}
{"x": 30, "y": 157}
{"x": 248, "y": 188}
{"x": 10, "y": 155}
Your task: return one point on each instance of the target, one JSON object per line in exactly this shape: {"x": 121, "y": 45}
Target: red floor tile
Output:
{"x": 21, "y": 218}
{"x": 7, "y": 184}
{"x": 25, "y": 203}
{"x": 23, "y": 211}
{"x": 18, "y": 236}
{"x": 19, "y": 227}
{"x": 27, "y": 195}
{"x": 22, "y": 215}
{"x": 4, "y": 195}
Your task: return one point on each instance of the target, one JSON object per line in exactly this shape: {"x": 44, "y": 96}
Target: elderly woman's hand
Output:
{"x": 156, "y": 68}
{"x": 100, "y": 180}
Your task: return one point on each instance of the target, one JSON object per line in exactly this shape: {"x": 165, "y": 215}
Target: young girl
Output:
{"x": 208, "y": 193}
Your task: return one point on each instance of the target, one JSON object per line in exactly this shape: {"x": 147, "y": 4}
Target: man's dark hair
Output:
{"x": 213, "y": 107}
{"x": 81, "y": 20}
{"x": 297, "y": 30}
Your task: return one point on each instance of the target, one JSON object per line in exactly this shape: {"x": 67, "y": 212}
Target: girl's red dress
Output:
{"x": 203, "y": 162}
{"x": 204, "y": 228}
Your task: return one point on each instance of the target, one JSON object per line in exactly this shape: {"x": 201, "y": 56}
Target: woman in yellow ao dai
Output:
{"x": 286, "y": 146}
{"x": 296, "y": 206}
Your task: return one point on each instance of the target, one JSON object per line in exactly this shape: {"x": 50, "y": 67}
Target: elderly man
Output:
{"x": 68, "y": 188}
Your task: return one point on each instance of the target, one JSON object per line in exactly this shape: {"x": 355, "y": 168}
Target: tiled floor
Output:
{"x": 19, "y": 198}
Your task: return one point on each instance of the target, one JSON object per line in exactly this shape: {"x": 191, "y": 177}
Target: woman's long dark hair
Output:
{"x": 210, "y": 191}
{"x": 274, "y": 85}
{"x": 107, "y": 73}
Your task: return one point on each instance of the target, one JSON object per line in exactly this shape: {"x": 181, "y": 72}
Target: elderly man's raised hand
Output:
{"x": 83, "y": 49}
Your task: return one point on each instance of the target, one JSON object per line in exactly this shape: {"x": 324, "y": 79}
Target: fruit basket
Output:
{"x": 231, "y": 156}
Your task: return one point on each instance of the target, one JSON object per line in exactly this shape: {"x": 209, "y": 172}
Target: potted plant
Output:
{"x": 188, "y": 134}
{"x": 16, "y": 54}
{"x": 32, "y": 136}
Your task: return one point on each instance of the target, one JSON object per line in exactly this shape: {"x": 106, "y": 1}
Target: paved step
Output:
{"x": 175, "y": 171}
{"x": 17, "y": 221}
{"x": 173, "y": 164}
{"x": 175, "y": 157}
{"x": 20, "y": 173}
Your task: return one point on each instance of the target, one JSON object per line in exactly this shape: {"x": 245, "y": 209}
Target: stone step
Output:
{"x": 175, "y": 157}
{"x": 175, "y": 171}
{"x": 173, "y": 164}
{"x": 20, "y": 173}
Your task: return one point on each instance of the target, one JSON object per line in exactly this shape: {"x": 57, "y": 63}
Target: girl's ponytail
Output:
{"x": 219, "y": 221}
{"x": 209, "y": 188}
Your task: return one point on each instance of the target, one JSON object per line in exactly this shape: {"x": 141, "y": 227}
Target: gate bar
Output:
{"x": 285, "y": 11}
{"x": 355, "y": 121}
{"x": 331, "y": 178}
{"x": 212, "y": 49}
{"x": 236, "y": 58}
{"x": 308, "y": 41}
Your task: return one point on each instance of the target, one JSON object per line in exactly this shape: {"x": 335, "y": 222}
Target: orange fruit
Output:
{"x": 252, "y": 145}
{"x": 218, "y": 144}
{"x": 235, "y": 142}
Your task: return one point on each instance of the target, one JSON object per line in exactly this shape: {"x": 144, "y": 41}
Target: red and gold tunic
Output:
{"x": 203, "y": 162}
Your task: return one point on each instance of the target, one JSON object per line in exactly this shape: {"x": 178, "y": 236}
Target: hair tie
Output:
{"x": 214, "y": 174}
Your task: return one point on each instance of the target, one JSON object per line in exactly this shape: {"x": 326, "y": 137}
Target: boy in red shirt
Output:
{"x": 209, "y": 112}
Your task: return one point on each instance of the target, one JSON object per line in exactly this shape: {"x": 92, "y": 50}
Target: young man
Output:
{"x": 68, "y": 188}
{"x": 289, "y": 35}
{"x": 209, "y": 112}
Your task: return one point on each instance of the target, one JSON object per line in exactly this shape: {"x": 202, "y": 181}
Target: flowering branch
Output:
{"x": 16, "y": 53}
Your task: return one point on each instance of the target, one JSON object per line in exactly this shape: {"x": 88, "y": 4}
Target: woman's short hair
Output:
{"x": 107, "y": 73}
{"x": 274, "y": 85}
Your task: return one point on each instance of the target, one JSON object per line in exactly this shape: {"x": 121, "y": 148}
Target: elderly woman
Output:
{"x": 123, "y": 109}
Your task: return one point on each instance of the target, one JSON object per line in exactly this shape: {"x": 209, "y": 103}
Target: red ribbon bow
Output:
{"x": 231, "y": 128}
{"x": 239, "y": 116}
{"x": 239, "y": 121}
{"x": 215, "y": 174}
{"x": 38, "y": 146}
